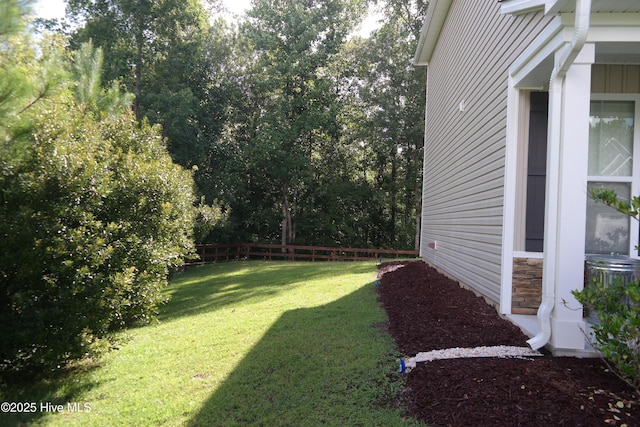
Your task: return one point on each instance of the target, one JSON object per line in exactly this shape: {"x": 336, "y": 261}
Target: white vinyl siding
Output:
{"x": 615, "y": 78}
{"x": 464, "y": 162}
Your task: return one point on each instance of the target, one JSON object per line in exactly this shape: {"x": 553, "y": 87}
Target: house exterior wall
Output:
{"x": 615, "y": 78}
{"x": 463, "y": 188}
{"x": 527, "y": 271}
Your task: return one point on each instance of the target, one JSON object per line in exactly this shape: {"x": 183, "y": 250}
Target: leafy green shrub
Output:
{"x": 617, "y": 335}
{"x": 208, "y": 218}
{"x": 92, "y": 218}
{"x": 93, "y": 212}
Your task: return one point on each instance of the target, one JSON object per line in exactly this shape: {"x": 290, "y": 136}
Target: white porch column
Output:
{"x": 566, "y": 321}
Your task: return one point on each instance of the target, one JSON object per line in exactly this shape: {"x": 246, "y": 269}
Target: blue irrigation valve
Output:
{"x": 377, "y": 283}
{"x": 403, "y": 367}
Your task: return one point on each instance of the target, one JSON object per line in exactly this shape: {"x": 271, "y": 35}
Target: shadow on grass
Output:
{"x": 204, "y": 288}
{"x": 215, "y": 286}
{"x": 307, "y": 352}
{"x": 62, "y": 388}
{"x": 321, "y": 365}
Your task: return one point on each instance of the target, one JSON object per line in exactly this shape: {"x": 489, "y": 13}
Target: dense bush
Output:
{"x": 617, "y": 335}
{"x": 209, "y": 220}
{"x": 93, "y": 215}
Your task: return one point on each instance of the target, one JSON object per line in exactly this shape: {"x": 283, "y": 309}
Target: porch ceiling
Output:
{"x": 568, "y": 6}
{"x": 616, "y": 37}
{"x": 618, "y": 53}
{"x": 597, "y": 6}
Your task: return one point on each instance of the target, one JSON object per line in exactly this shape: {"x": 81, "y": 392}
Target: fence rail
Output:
{"x": 215, "y": 253}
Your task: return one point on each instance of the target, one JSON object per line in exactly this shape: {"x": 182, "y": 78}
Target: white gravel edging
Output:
{"x": 503, "y": 351}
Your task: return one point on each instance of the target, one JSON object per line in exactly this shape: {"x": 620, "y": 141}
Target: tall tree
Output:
{"x": 293, "y": 43}
{"x": 87, "y": 73}
{"x": 159, "y": 50}
{"x": 324, "y": 141}
{"x": 392, "y": 90}
{"x": 26, "y": 78}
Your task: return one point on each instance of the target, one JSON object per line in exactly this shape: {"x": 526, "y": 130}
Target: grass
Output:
{"x": 243, "y": 343}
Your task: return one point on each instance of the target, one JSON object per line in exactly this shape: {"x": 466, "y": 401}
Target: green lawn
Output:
{"x": 242, "y": 343}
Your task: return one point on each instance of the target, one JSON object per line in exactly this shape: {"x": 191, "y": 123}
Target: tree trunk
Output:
{"x": 287, "y": 228}
{"x": 393, "y": 236}
{"x": 418, "y": 201}
{"x": 418, "y": 225}
{"x": 137, "y": 91}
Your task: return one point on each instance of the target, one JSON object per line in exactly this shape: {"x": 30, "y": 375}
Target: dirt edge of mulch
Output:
{"x": 429, "y": 311}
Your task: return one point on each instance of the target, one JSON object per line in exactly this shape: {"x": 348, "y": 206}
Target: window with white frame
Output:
{"x": 612, "y": 153}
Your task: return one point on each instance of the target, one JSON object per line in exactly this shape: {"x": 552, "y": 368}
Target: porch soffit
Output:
{"x": 567, "y": 6}
{"x": 616, "y": 36}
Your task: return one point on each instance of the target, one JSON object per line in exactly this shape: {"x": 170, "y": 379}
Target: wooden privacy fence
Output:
{"x": 215, "y": 253}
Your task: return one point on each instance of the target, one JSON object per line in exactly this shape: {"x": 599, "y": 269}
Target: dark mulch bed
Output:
{"x": 428, "y": 311}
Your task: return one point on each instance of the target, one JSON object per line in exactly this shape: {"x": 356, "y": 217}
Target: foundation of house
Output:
{"x": 527, "y": 285}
